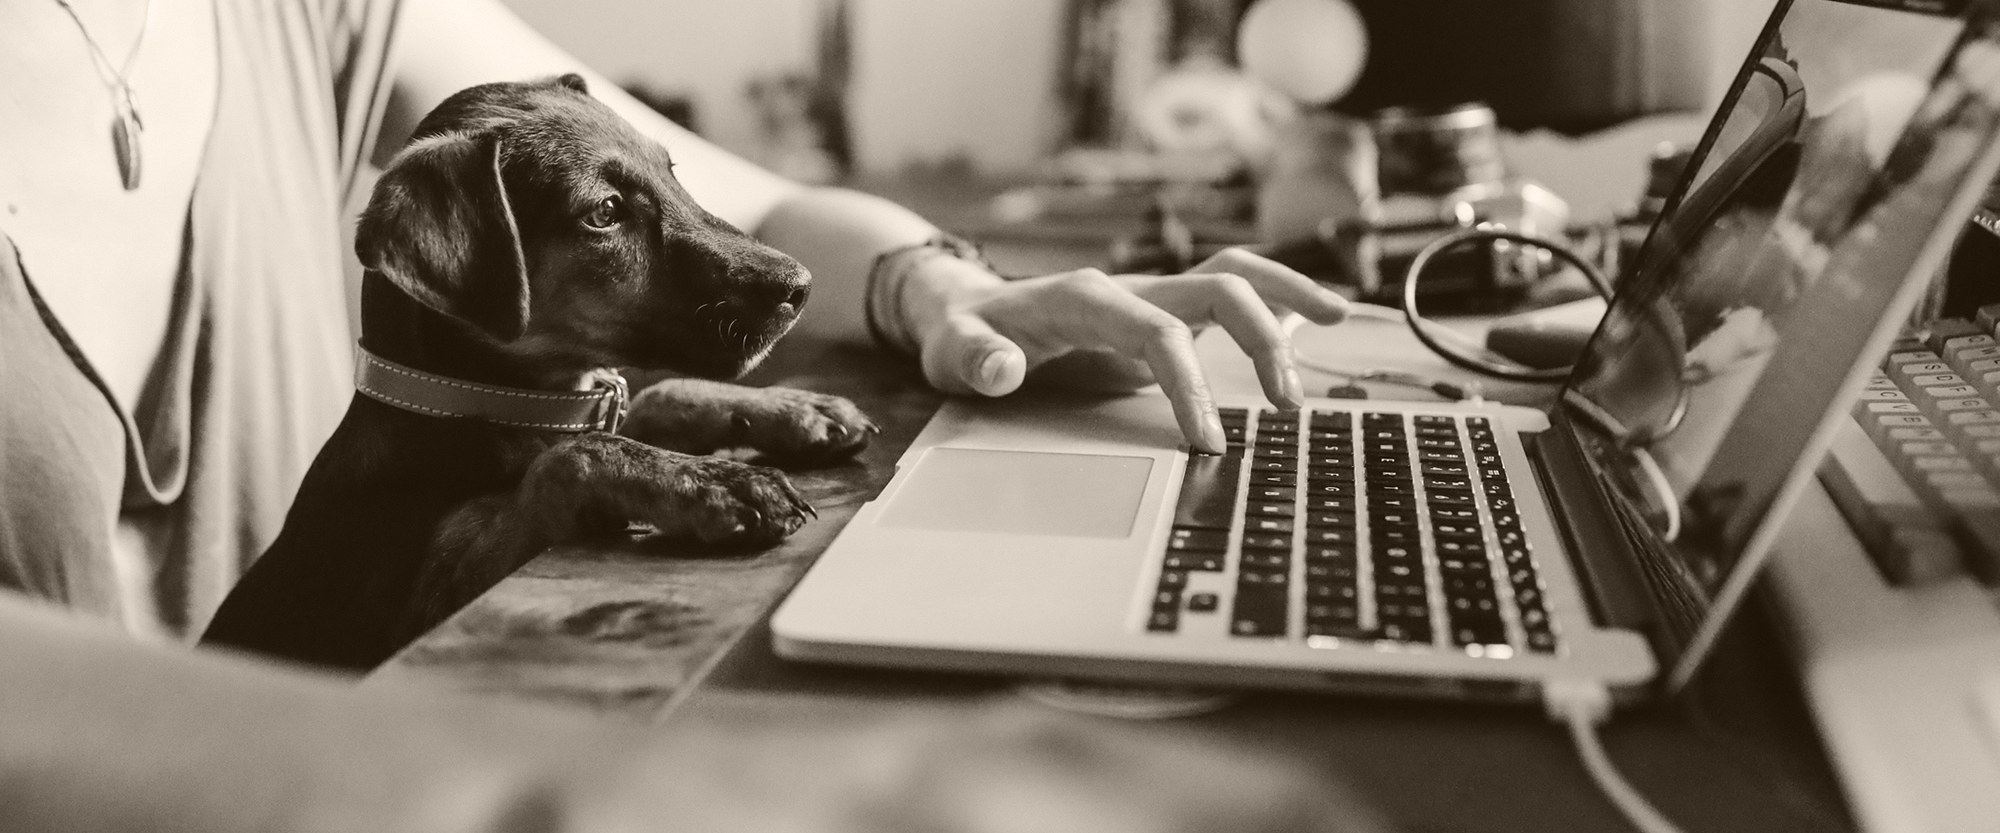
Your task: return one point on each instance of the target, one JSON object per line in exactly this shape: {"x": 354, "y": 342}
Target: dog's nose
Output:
{"x": 778, "y": 295}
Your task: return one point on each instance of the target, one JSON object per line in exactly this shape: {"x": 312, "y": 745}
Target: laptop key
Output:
{"x": 1253, "y": 579}
{"x": 1343, "y": 553}
{"x": 1265, "y": 560}
{"x": 1280, "y": 494}
{"x": 1445, "y": 526}
{"x": 1326, "y": 487}
{"x": 1272, "y": 525}
{"x": 1258, "y": 612}
{"x": 1330, "y": 504}
{"x": 1330, "y": 474}
{"x": 1454, "y": 514}
{"x": 1411, "y": 630}
{"x": 1208, "y": 492}
{"x": 1194, "y": 539}
{"x": 1453, "y": 499}
{"x": 1334, "y": 613}
{"x": 1275, "y": 464}
{"x": 1332, "y": 592}
{"x": 1318, "y": 518}
{"x": 1331, "y": 572}
{"x": 1268, "y": 541}
{"x": 1203, "y": 602}
{"x": 1202, "y": 562}
{"x": 1270, "y": 509}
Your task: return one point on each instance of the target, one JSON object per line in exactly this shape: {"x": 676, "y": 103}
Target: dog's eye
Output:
{"x": 606, "y": 213}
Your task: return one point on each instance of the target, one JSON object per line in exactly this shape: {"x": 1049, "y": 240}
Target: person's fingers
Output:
{"x": 1170, "y": 352}
{"x": 1130, "y": 325}
{"x": 1281, "y": 286}
{"x": 1229, "y": 300}
{"x": 968, "y": 356}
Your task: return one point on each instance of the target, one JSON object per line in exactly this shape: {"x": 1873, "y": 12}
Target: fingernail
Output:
{"x": 1211, "y": 432}
{"x": 989, "y": 368}
{"x": 1339, "y": 304}
{"x": 1295, "y": 390}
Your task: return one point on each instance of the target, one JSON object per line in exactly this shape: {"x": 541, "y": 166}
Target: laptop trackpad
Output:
{"x": 1021, "y": 492}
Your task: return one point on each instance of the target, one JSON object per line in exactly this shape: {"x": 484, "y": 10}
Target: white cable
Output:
{"x": 1581, "y": 707}
{"x": 1662, "y": 489}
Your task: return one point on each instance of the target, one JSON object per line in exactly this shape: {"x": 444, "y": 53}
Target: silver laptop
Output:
{"x": 1459, "y": 550}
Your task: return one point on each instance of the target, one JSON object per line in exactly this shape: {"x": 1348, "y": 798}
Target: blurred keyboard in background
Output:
{"x": 1920, "y": 480}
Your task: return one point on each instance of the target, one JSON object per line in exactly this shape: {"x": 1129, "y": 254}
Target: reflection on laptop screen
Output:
{"x": 1849, "y": 133}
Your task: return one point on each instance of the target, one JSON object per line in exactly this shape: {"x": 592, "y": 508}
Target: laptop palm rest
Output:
{"x": 1021, "y": 493}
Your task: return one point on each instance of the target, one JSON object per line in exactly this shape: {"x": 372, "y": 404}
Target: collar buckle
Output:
{"x": 617, "y": 398}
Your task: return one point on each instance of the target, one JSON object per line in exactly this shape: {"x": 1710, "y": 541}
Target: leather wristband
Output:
{"x": 885, "y": 286}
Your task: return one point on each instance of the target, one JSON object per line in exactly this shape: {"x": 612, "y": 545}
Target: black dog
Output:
{"x": 526, "y": 238}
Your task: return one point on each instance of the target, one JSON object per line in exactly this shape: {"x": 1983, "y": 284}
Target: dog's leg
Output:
{"x": 698, "y": 416}
{"x": 595, "y": 485}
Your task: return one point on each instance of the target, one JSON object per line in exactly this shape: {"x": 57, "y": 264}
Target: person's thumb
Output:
{"x": 967, "y": 356}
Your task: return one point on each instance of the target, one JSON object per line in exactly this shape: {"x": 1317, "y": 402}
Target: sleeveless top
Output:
{"x": 257, "y": 367}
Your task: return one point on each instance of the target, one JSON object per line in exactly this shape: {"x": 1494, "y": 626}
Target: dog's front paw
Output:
{"x": 787, "y": 425}
{"x": 726, "y": 502}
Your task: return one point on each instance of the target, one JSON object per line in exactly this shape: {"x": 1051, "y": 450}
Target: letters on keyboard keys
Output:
{"x": 1372, "y": 527}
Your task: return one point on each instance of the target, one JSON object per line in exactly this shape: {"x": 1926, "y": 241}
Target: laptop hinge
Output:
{"x": 1604, "y": 558}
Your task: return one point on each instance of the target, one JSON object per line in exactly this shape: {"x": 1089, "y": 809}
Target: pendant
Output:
{"x": 125, "y": 130}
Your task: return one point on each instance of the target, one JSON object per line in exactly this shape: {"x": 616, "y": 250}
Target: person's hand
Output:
{"x": 1085, "y": 328}
{"x": 999, "y": 768}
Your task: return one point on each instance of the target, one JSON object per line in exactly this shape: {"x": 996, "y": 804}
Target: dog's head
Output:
{"x": 538, "y": 216}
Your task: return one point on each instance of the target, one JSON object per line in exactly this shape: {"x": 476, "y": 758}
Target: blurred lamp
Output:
{"x": 1310, "y": 50}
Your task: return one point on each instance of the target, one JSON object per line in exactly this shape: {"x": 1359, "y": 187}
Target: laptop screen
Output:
{"x": 1820, "y": 202}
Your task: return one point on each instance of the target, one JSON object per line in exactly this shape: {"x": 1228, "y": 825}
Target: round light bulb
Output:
{"x": 1310, "y": 50}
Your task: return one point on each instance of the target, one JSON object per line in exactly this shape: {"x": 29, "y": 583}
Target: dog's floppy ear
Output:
{"x": 440, "y": 227}
{"x": 574, "y": 82}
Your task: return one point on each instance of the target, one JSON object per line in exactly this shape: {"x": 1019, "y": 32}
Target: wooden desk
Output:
{"x": 656, "y": 632}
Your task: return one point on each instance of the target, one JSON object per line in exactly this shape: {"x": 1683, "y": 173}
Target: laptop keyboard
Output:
{"x": 1370, "y": 527}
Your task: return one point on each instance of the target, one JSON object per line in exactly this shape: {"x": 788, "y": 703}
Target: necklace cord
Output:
{"x": 121, "y": 74}
{"x": 127, "y": 126}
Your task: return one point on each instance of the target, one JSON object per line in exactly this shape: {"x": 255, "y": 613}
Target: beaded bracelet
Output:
{"x": 885, "y": 285}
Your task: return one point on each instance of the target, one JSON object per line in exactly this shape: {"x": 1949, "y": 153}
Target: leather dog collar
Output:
{"x": 601, "y": 408}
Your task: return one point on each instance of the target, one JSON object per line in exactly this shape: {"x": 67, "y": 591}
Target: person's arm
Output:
{"x": 103, "y": 734}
